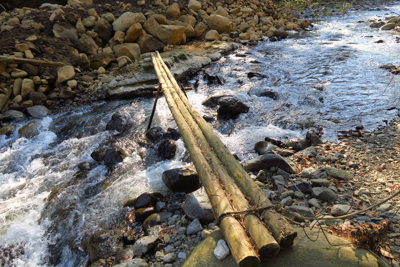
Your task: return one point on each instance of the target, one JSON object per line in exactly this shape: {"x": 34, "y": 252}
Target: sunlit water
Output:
{"x": 336, "y": 56}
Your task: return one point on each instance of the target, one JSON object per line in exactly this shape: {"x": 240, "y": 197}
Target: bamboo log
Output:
{"x": 235, "y": 235}
{"x": 281, "y": 229}
{"x": 266, "y": 244}
{"x": 30, "y": 61}
{"x": 6, "y": 98}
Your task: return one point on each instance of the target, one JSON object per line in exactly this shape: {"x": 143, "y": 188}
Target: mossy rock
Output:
{"x": 29, "y": 130}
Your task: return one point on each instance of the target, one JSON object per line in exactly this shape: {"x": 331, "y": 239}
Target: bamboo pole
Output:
{"x": 18, "y": 60}
{"x": 281, "y": 229}
{"x": 265, "y": 243}
{"x": 235, "y": 235}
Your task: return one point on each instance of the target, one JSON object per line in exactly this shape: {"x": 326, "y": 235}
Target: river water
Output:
{"x": 329, "y": 76}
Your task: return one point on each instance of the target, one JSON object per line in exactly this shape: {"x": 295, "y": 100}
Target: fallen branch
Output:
{"x": 16, "y": 60}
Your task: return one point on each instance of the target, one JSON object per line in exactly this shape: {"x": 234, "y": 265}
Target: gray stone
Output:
{"x": 173, "y": 220}
{"x": 170, "y": 257}
{"x": 261, "y": 176}
{"x": 303, "y": 211}
{"x": 38, "y": 111}
{"x": 198, "y": 206}
{"x": 279, "y": 181}
{"x": 323, "y": 193}
{"x": 168, "y": 249}
{"x": 337, "y": 173}
{"x": 289, "y": 193}
{"x": 221, "y": 251}
{"x": 320, "y": 182}
{"x": 287, "y": 201}
{"x": 384, "y": 207}
{"x": 182, "y": 255}
{"x": 314, "y": 202}
{"x": 267, "y": 161}
{"x": 194, "y": 227}
{"x": 144, "y": 244}
{"x": 297, "y": 143}
{"x": 305, "y": 173}
{"x": 340, "y": 209}
{"x": 309, "y": 152}
{"x": 13, "y": 115}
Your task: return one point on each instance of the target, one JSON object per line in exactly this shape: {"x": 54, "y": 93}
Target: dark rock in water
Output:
{"x": 113, "y": 156}
{"x": 298, "y": 143}
{"x": 255, "y": 74}
{"x": 175, "y": 201}
{"x": 99, "y": 154}
{"x": 105, "y": 244}
{"x": 155, "y": 133}
{"x": 303, "y": 187}
{"x": 144, "y": 200}
{"x": 267, "y": 161}
{"x": 173, "y": 134}
{"x": 208, "y": 118}
{"x": 212, "y": 101}
{"x": 275, "y": 141}
{"x": 38, "y": 98}
{"x": 142, "y": 213}
{"x": 120, "y": 121}
{"x": 30, "y": 129}
{"x": 167, "y": 149}
{"x": 313, "y": 138}
{"x": 181, "y": 179}
{"x": 231, "y": 107}
{"x": 198, "y": 206}
{"x": 84, "y": 166}
{"x": 269, "y": 93}
{"x": 282, "y": 34}
{"x": 213, "y": 79}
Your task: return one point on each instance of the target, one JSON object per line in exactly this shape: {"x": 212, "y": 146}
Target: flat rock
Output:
{"x": 337, "y": 173}
{"x": 198, "y": 206}
{"x": 194, "y": 227}
{"x": 304, "y": 253}
{"x": 323, "y": 193}
{"x": 267, "y": 161}
{"x": 38, "y": 111}
{"x": 144, "y": 245}
{"x": 340, "y": 209}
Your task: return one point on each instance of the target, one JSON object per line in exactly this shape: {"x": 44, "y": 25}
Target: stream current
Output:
{"x": 329, "y": 76}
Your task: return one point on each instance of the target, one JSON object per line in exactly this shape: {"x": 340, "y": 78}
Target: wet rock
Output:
{"x": 120, "y": 121}
{"x": 7, "y": 130}
{"x": 221, "y": 251}
{"x": 212, "y": 101}
{"x": 104, "y": 244}
{"x": 145, "y": 200}
{"x": 113, "y": 156}
{"x": 155, "y": 133}
{"x": 145, "y": 244}
{"x": 388, "y": 27}
{"x": 84, "y": 166}
{"x": 263, "y": 147}
{"x": 194, "y": 227}
{"x": 142, "y": 213}
{"x": 323, "y": 193}
{"x": 267, "y": 161}
{"x": 313, "y": 138}
{"x": 377, "y": 24}
{"x": 298, "y": 143}
{"x": 183, "y": 179}
{"x": 303, "y": 211}
{"x": 30, "y": 129}
{"x": 167, "y": 149}
{"x": 287, "y": 201}
{"x": 173, "y": 134}
{"x": 38, "y": 111}
{"x": 282, "y": 34}
{"x": 340, "y": 209}
{"x": 11, "y": 115}
{"x": 230, "y": 106}
{"x": 198, "y": 206}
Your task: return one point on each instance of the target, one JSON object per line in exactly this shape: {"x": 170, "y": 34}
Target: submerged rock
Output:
{"x": 30, "y": 129}
{"x": 167, "y": 149}
{"x": 155, "y": 133}
{"x": 120, "y": 121}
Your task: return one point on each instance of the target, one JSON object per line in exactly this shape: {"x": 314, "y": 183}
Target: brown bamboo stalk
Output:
{"x": 265, "y": 243}
{"x": 281, "y": 229}
{"x": 236, "y": 237}
{"x": 18, "y": 60}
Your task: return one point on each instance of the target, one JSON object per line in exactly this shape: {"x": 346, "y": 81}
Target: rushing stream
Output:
{"x": 329, "y": 76}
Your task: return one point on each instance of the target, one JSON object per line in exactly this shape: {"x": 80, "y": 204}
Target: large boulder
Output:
{"x": 168, "y": 34}
{"x": 87, "y": 45}
{"x": 181, "y": 179}
{"x": 219, "y": 23}
{"x": 126, "y": 20}
{"x": 104, "y": 30}
{"x": 66, "y": 31}
{"x": 131, "y": 50}
{"x": 148, "y": 43}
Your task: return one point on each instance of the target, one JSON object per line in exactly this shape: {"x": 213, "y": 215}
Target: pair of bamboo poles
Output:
{"x": 227, "y": 184}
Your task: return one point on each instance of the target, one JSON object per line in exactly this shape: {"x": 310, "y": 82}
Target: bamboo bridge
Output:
{"x": 250, "y": 225}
